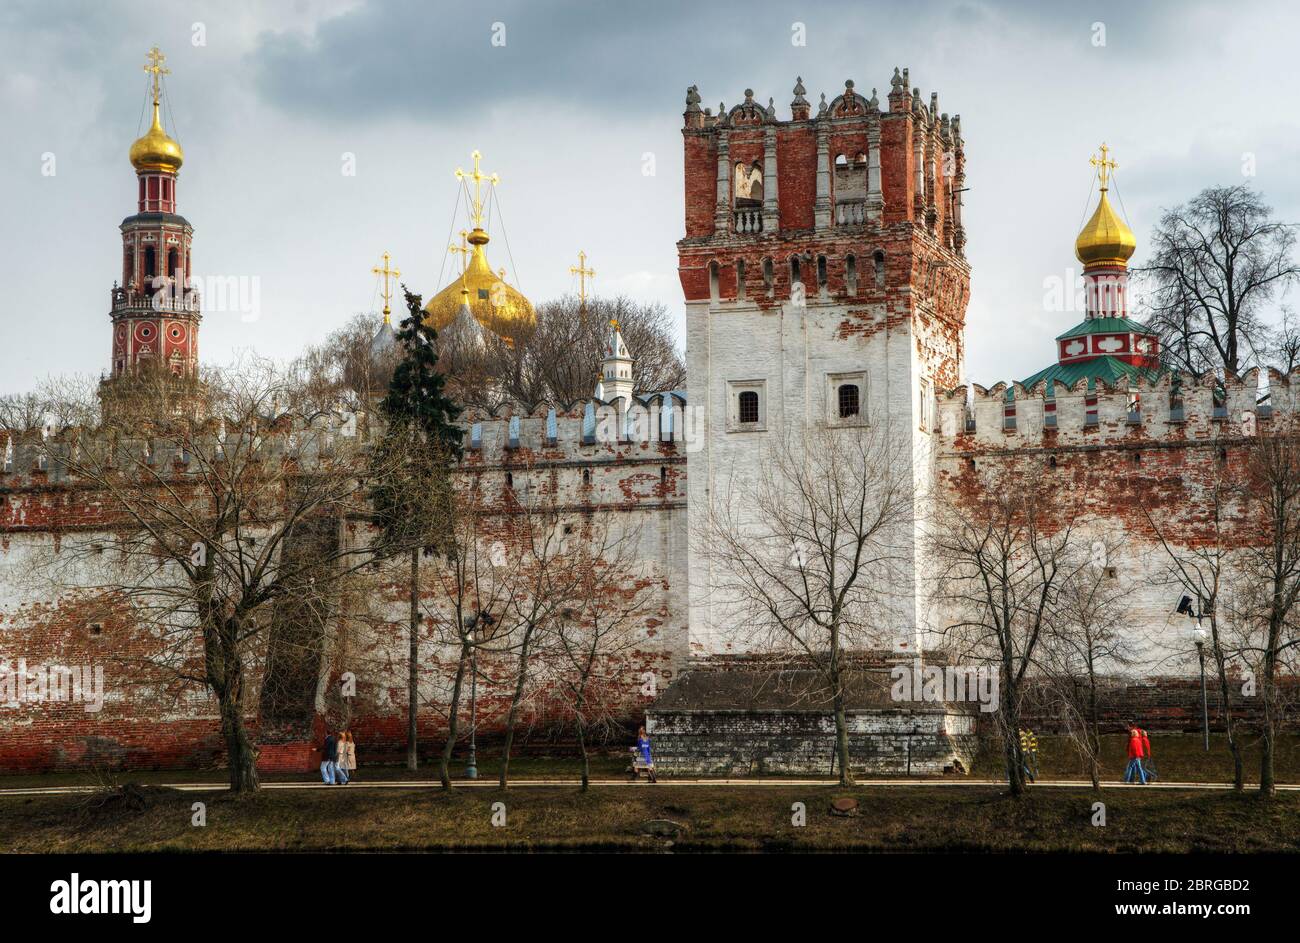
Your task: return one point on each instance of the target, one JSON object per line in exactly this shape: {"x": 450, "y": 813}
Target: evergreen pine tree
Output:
{"x": 412, "y": 493}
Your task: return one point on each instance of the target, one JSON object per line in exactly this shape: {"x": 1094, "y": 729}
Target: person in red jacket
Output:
{"x": 1139, "y": 746}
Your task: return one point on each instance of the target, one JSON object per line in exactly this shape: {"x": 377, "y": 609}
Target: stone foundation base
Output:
{"x": 755, "y": 743}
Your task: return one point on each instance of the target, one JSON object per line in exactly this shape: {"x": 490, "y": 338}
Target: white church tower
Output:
{"x": 829, "y": 291}
{"x": 616, "y": 368}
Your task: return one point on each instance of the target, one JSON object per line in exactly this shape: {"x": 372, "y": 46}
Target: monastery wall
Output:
{"x": 615, "y": 465}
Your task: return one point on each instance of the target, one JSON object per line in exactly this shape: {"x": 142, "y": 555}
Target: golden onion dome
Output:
{"x": 496, "y": 305}
{"x": 1105, "y": 241}
{"x": 157, "y": 150}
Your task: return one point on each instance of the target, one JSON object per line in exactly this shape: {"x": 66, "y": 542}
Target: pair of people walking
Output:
{"x": 1029, "y": 754}
{"x": 338, "y": 759}
{"x": 1139, "y": 749}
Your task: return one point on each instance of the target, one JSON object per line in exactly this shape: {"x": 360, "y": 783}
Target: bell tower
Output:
{"x": 155, "y": 312}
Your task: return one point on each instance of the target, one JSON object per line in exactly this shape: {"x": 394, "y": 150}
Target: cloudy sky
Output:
{"x": 268, "y": 98}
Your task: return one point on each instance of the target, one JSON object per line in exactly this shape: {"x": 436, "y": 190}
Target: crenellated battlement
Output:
{"x": 656, "y": 422}
{"x": 1171, "y": 407}
{"x": 44, "y": 457}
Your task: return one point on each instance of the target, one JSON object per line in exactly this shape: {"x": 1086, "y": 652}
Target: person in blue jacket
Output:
{"x": 643, "y": 747}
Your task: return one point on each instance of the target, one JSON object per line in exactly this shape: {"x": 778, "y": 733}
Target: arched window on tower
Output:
{"x": 173, "y": 264}
{"x": 851, "y": 275}
{"x": 768, "y": 281}
{"x": 749, "y": 406}
{"x": 713, "y": 281}
{"x": 879, "y": 260}
{"x": 849, "y": 398}
{"x": 749, "y": 183}
{"x": 821, "y": 273}
{"x": 150, "y": 265}
{"x": 740, "y": 278}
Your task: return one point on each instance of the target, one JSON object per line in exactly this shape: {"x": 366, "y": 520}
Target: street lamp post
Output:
{"x": 1200, "y": 635}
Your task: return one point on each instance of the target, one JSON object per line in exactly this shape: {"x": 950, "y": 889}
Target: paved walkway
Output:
{"x": 628, "y": 784}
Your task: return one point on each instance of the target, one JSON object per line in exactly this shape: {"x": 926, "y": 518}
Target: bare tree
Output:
{"x": 1005, "y": 546}
{"x": 546, "y": 565}
{"x": 20, "y": 412}
{"x": 347, "y": 370}
{"x": 1271, "y": 570}
{"x": 597, "y": 633}
{"x": 809, "y": 547}
{"x": 558, "y": 359}
{"x": 1089, "y": 639}
{"x": 1217, "y": 261}
{"x": 1200, "y": 562}
{"x": 214, "y": 533}
{"x": 464, "y": 595}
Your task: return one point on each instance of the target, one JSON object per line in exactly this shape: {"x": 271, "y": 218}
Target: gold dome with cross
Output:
{"x": 1105, "y": 241}
{"x": 156, "y": 150}
{"x": 495, "y": 304}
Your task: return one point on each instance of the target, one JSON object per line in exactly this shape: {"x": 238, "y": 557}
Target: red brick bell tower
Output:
{"x": 155, "y": 312}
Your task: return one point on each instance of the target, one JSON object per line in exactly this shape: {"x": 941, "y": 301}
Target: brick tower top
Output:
{"x": 751, "y": 176}
{"x": 154, "y": 310}
{"x": 847, "y": 202}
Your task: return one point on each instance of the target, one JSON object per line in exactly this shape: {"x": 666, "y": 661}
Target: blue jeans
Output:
{"x": 1135, "y": 766}
{"x": 341, "y": 774}
{"x": 328, "y": 768}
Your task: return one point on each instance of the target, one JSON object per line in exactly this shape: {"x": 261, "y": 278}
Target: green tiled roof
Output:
{"x": 1109, "y": 369}
{"x": 1105, "y": 326}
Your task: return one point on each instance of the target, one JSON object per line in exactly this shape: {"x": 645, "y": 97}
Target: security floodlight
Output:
{"x": 1185, "y": 607}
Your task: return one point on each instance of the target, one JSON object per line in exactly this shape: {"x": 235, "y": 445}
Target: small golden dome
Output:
{"x": 157, "y": 150}
{"x": 497, "y": 306}
{"x": 1105, "y": 241}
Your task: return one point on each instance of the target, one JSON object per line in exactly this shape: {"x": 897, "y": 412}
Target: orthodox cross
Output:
{"x": 583, "y": 274}
{"x": 477, "y": 175}
{"x": 157, "y": 70}
{"x": 462, "y": 250}
{"x": 1103, "y": 165}
{"x": 387, "y": 273}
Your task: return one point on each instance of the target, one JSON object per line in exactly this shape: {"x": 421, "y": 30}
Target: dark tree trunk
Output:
{"x": 1268, "y": 688}
{"x": 225, "y": 670}
{"x": 841, "y": 714}
{"x": 521, "y": 678}
{"x": 1234, "y": 747}
{"x": 1011, "y": 728}
{"x": 240, "y": 751}
{"x": 444, "y": 762}
{"x": 413, "y": 675}
{"x": 1094, "y": 732}
{"x": 582, "y": 749}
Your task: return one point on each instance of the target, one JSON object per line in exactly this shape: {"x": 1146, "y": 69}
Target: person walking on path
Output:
{"x": 348, "y": 756}
{"x": 1029, "y": 754}
{"x": 643, "y": 748}
{"x": 340, "y": 765}
{"x": 1138, "y": 747}
{"x": 329, "y": 757}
